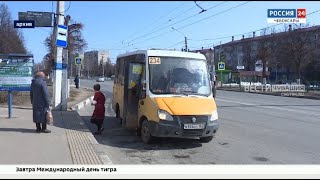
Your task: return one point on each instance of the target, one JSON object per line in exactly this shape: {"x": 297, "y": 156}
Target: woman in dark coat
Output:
{"x": 40, "y": 101}
{"x": 99, "y": 110}
{"x": 76, "y": 81}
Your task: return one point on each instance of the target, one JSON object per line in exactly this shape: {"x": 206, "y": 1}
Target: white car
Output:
{"x": 100, "y": 79}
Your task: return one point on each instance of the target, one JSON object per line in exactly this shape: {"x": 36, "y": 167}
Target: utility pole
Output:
{"x": 220, "y": 61}
{"x": 238, "y": 69}
{"x": 71, "y": 62}
{"x": 185, "y": 38}
{"x": 58, "y": 59}
{"x": 65, "y": 82}
{"x": 186, "y": 43}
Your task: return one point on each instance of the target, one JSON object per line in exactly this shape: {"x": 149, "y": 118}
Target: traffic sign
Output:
{"x": 62, "y": 35}
{"x": 41, "y": 19}
{"x": 240, "y": 67}
{"x": 221, "y": 66}
{"x": 77, "y": 61}
{"x": 23, "y": 24}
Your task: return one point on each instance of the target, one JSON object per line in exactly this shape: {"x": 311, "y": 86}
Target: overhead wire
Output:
{"x": 240, "y": 34}
{"x": 68, "y": 7}
{"x": 195, "y": 22}
{"x": 176, "y": 22}
{"x": 167, "y": 22}
{"x": 153, "y": 22}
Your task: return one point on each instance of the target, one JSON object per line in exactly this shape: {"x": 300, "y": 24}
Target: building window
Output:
{"x": 315, "y": 36}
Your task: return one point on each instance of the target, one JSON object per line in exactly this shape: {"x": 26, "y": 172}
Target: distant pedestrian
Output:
{"x": 99, "y": 110}
{"x": 76, "y": 81}
{"x": 40, "y": 101}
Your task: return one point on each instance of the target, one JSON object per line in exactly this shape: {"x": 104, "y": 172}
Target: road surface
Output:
{"x": 254, "y": 129}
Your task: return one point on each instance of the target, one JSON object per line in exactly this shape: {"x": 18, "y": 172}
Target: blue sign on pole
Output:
{"x": 221, "y": 66}
{"x": 78, "y": 61}
{"x": 62, "y": 34}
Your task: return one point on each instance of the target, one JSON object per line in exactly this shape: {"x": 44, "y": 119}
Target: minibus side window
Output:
{"x": 121, "y": 72}
{"x": 135, "y": 74}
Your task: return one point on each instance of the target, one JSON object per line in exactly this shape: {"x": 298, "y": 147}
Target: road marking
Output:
{"x": 268, "y": 107}
{"x": 106, "y": 160}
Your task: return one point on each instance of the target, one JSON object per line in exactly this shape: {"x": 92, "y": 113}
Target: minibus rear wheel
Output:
{"x": 206, "y": 139}
{"x": 146, "y": 136}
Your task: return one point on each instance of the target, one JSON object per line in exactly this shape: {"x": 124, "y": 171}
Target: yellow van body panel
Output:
{"x": 117, "y": 97}
{"x": 149, "y": 109}
{"x": 176, "y": 106}
{"x": 187, "y": 105}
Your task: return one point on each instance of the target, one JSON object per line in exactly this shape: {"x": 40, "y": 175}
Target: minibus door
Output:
{"x": 133, "y": 80}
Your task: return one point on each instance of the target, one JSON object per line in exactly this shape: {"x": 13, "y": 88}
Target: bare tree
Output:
{"x": 76, "y": 43}
{"x": 48, "y": 59}
{"x": 109, "y": 68}
{"x": 296, "y": 49}
{"x": 11, "y": 40}
{"x": 264, "y": 52}
{"x": 248, "y": 60}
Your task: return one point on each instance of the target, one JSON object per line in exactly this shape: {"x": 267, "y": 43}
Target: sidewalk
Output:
{"x": 70, "y": 142}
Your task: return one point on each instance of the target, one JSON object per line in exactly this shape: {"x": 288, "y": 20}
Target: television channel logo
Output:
{"x": 287, "y": 16}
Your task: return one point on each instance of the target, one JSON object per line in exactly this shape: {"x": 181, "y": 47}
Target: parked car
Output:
{"x": 100, "y": 79}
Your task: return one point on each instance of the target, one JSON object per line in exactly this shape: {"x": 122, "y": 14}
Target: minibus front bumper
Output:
{"x": 176, "y": 128}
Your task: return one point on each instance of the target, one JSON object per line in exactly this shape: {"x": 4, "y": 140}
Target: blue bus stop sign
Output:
{"x": 62, "y": 36}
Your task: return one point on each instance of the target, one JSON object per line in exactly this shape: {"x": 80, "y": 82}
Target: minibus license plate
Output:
{"x": 193, "y": 126}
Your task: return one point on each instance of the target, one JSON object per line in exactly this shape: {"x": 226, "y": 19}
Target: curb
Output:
{"x": 105, "y": 159}
{"x": 82, "y": 104}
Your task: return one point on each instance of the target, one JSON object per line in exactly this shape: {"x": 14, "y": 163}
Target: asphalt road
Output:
{"x": 254, "y": 129}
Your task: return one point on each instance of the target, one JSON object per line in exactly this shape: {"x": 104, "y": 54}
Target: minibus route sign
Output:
{"x": 154, "y": 60}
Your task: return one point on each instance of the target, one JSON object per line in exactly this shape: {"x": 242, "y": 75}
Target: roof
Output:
{"x": 257, "y": 38}
{"x": 165, "y": 53}
{"x": 202, "y": 50}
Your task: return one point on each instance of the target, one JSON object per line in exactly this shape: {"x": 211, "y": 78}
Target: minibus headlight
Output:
{"x": 214, "y": 116}
{"x": 164, "y": 115}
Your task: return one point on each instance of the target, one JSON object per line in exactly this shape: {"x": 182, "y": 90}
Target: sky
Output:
{"x": 121, "y": 26}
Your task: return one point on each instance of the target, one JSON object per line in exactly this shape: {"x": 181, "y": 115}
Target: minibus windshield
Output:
{"x": 176, "y": 75}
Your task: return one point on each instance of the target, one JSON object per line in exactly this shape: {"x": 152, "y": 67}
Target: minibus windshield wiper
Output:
{"x": 185, "y": 94}
{"x": 198, "y": 94}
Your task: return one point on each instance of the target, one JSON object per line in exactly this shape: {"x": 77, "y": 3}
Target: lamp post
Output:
{"x": 185, "y": 38}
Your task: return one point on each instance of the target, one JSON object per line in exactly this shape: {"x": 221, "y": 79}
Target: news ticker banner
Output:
{"x": 159, "y": 169}
{"x": 287, "y": 15}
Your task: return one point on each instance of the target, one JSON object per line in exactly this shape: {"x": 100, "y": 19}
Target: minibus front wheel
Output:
{"x": 146, "y": 136}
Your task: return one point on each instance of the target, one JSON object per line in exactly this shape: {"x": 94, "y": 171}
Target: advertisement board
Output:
{"x": 16, "y": 72}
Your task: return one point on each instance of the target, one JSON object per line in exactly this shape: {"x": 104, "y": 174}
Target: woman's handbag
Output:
{"x": 49, "y": 117}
